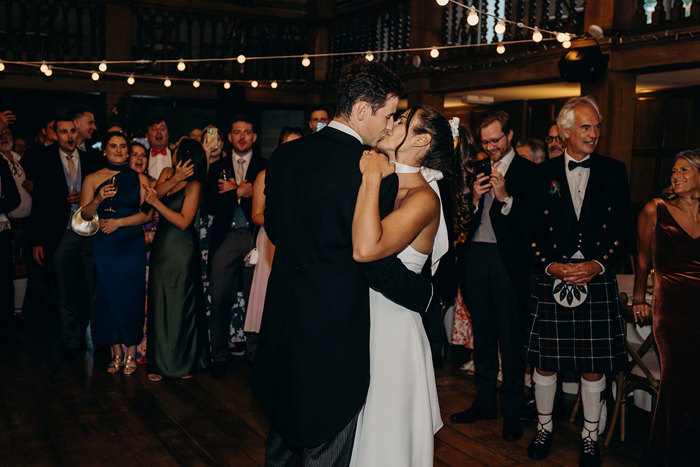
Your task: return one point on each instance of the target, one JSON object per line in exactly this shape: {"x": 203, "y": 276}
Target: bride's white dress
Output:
{"x": 401, "y": 414}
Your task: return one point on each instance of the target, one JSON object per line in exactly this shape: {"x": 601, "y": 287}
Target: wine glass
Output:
{"x": 112, "y": 181}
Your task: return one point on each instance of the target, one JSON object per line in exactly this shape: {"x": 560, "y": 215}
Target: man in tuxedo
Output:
{"x": 311, "y": 372}
{"x": 582, "y": 222}
{"x": 495, "y": 276}
{"x": 56, "y": 195}
{"x": 230, "y": 201}
{"x": 159, "y": 155}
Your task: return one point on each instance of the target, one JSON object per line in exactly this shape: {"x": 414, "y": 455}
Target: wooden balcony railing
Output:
{"x": 62, "y": 30}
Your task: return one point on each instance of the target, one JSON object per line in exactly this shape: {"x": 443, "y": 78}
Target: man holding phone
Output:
{"x": 230, "y": 201}
{"x": 495, "y": 275}
{"x": 318, "y": 119}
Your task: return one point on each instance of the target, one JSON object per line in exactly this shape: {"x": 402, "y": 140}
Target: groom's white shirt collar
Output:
{"x": 346, "y": 129}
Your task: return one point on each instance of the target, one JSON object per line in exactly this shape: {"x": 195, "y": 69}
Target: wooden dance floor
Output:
{"x": 71, "y": 413}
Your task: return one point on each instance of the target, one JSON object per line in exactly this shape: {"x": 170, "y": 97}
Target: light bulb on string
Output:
{"x": 95, "y": 76}
{"x": 241, "y": 59}
{"x": 196, "y": 83}
{"x": 227, "y": 85}
{"x": 130, "y": 80}
{"x": 167, "y": 83}
{"x": 273, "y": 85}
{"x": 473, "y": 17}
{"x": 181, "y": 65}
{"x": 566, "y": 44}
{"x": 254, "y": 84}
{"x": 537, "y": 35}
{"x": 369, "y": 56}
{"x": 49, "y": 71}
{"x": 434, "y": 52}
{"x": 103, "y": 66}
{"x": 2, "y": 66}
{"x": 500, "y": 27}
{"x": 43, "y": 67}
{"x": 563, "y": 37}
{"x": 442, "y": 2}
{"x": 306, "y": 61}
{"x": 501, "y": 49}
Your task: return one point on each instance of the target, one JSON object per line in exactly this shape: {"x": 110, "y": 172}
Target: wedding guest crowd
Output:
{"x": 544, "y": 227}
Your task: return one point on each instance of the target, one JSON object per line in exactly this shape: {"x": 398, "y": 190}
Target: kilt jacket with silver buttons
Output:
{"x": 604, "y": 226}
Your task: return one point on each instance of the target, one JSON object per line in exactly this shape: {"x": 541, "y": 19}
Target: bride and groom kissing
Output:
{"x": 344, "y": 369}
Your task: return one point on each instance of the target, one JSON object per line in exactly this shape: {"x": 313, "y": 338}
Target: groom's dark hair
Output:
{"x": 371, "y": 82}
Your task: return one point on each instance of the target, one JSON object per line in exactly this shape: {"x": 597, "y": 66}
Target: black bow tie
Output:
{"x": 585, "y": 164}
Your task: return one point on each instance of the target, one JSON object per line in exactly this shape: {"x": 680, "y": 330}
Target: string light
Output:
{"x": 196, "y": 83}
{"x": 306, "y": 61}
{"x": 473, "y": 17}
{"x": 566, "y": 44}
{"x": 103, "y": 66}
{"x": 227, "y": 85}
{"x": 563, "y": 37}
{"x": 500, "y": 27}
{"x": 2, "y": 66}
{"x": 167, "y": 83}
{"x": 254, "y": 84}
{"x": 537, "y": 35}
{"x": 49, "y": 71}
{"x": 181, "y": 65}
{"x": 241, "y": 59}
{"x": 273, "y": 85}
{"x": 442, "y": 2}
{"x": 43, "y": 67}
{"x": 95, "y": 76}
{"x": 434, "y": 52}
{"x": 369, "y": 56}
{"x": 130, "y": 80}
{"x": 501, "y": 49}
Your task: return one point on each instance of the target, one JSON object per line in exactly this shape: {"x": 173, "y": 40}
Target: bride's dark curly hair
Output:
{"x": 455, "y": 161}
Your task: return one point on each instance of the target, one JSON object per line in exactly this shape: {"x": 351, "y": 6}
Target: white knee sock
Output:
{"x": 545, "y": 390}
{"x": 591, "y": 392}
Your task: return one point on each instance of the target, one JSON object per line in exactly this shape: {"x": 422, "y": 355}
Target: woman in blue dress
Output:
{"x": 116, "y": 194}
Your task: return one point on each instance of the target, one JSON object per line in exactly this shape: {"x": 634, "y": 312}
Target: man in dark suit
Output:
{"x": 230, "y": 201}
{"x": 582, "y": 222}
{"x": 56, "y": 195}
{"x": 311, "y": 371}
{"x": 495, "y": 278}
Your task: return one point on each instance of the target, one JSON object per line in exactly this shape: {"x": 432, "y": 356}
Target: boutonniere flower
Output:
{"x": 554, "y": 188}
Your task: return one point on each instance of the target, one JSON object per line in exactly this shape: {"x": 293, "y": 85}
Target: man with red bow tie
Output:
{"x": 159, "y": 156}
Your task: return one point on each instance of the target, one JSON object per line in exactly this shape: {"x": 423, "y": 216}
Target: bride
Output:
{"x": 401, "y": 413}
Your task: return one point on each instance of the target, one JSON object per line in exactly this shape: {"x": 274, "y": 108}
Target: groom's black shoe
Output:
{"x": 474, "y": 413}
{"x": 511, "y": 429}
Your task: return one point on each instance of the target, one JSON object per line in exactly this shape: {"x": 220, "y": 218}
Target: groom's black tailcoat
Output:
{"x": 311, "y": 372}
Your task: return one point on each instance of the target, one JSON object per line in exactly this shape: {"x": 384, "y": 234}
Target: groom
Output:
{"x": 312, "y": 369}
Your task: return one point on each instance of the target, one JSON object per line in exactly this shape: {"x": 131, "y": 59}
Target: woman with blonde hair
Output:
{"x": 669, "y": 241}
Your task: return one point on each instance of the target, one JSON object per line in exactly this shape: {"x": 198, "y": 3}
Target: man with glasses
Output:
{"x": 495, "y": 275}
{"x": 555, "y": 143}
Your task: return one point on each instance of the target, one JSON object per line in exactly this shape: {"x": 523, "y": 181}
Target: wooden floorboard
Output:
{"x": 56, "y": 412}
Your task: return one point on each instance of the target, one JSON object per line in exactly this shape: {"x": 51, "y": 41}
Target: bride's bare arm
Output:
{"x": 374, "y": 238}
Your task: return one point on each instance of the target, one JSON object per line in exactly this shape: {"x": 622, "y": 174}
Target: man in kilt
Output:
{"x": 581, "y": 228}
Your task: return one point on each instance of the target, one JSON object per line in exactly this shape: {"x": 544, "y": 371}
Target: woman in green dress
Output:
{"x": 177, "y": 331}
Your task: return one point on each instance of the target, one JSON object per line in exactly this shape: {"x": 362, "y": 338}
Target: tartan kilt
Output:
{"x": 588, "y": 338}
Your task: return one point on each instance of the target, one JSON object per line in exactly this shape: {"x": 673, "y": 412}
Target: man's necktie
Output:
{"x": 72, "y": 169}
{"x": 240, "y": 170}
{"x": 585, "y": 164}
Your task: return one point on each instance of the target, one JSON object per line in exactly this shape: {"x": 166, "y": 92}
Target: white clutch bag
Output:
{"x": 84, "y": 228}
{"x": 251, "y": 259}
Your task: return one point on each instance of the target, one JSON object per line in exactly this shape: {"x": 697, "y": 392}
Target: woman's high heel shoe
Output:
{"x": 130, "y": 365}
{"x": 115, "y": 365}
